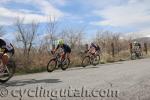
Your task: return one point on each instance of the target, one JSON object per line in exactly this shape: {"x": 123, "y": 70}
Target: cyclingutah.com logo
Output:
{"x": 3, "y": 92}
{"x": 55, "y": 94}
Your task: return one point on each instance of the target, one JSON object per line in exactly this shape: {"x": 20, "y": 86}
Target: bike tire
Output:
{"x": 97, "y": 57}
{"x": 54, "y": 66}
{"x": 133, "y": 56}
{"x": 11, "y": 64}
{"x": 87, "y": 63}
{"x": 63, "y": 67}
{"x": 140, "y": 55}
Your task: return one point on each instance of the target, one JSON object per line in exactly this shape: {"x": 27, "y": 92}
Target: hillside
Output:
{"x": 143, "y": 40}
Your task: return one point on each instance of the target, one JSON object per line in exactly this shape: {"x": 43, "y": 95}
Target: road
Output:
{"x": 128, "y": 80}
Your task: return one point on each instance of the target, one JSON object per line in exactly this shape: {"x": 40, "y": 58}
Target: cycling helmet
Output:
{"x": 92, "y": 44}
{"x": 135, "y": 42}
{"x": 60, "y": 42}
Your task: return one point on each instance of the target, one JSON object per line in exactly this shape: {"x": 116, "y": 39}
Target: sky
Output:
{"x": 123, "y": 16}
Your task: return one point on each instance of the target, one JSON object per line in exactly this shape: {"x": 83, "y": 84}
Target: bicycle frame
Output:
{"x": 57, "y": 56}
{"x": 58, "y": 62}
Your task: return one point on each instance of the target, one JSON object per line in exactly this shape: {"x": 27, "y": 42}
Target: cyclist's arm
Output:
{"x": 56, "y": 48}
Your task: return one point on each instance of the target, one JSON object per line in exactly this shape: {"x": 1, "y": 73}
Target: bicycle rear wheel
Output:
{"x": 96, "y": 60}
{"x": 51, "y": 65}
{"x": 86, "y": 61}
{"x": 133, "y": 56}
{"x": 9, "y": 72}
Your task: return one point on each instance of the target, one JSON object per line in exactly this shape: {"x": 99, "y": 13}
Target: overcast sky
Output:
{"x": 124, "y": 16}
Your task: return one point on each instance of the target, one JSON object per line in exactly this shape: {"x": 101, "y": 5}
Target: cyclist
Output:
{"x": 6, "y": 51}
{"x": 98, "y": 49}
{"x": 137, "y": 48}
{"x": 137, "y": 45}
{"x": 66, "y": 49}
{"x": 94, "y": 49}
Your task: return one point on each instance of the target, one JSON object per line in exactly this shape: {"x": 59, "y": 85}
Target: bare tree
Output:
{"x": 26, "y": 34}
{"x": 73, "y": 36}
{"x": 52, "y": 27}
{"x": 106, "y": 38}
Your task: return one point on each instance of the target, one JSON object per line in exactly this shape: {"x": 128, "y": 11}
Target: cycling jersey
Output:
{"x": 93, "y": 45}
{"x": 97, "y": 48}
{"x": 65, "y": 47}
{"x": 138, "y": 45}
{"x": 4, "y": 44}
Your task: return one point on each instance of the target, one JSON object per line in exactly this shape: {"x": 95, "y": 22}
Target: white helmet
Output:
{"x": 135, "y": 42}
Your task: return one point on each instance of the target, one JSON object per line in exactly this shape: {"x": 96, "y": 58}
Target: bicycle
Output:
{"x": 89, "y": 59}
{"x": 136, "y": 54}
{"x": 56, "y": 62}
{"x": 6, "y": 71}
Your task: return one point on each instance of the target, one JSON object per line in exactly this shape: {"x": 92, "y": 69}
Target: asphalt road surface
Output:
{"x": 128, "y": 80}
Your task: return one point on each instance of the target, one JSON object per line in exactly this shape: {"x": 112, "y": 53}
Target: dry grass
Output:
{"x": 38, "y": 61}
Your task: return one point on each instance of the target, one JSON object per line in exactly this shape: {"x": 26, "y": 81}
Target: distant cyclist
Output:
{"x": 137, "y": 46}
{"x": 94, "y": 49}
{"x": 6, "y": 51}
{"x": 98, "y": 49}
{"x": 66, "y": 49}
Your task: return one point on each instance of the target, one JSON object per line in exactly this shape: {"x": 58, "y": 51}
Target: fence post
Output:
{"x": 131, "y": 47}
{"x": 113, "y": 49}
{"x": 145, "y": 48}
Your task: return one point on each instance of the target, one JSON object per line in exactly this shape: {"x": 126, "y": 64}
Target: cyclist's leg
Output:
{"x": 96, "y": 52}
{"x": 4, "y": 61}
{"x": 68, "y": 55}
{"x": 5, "y": 58}
{"x": 63, "y": 54}
{"x": 92, "y": 50}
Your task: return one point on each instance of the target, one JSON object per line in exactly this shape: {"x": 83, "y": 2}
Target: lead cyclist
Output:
{"x": 6, "y": 52}
{"x": 66, "y": 49}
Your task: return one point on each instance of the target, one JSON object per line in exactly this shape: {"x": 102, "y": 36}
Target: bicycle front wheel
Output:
{"x": 9, "y": 72}
{"x": 51, "y": 65}
{"x": 86, "y": 61}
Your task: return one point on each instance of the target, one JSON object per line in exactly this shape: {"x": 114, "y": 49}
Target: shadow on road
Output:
{"x": 30, "y": 81}
{"x": 82, "y": 68}
{"x": 93, "y": 67}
